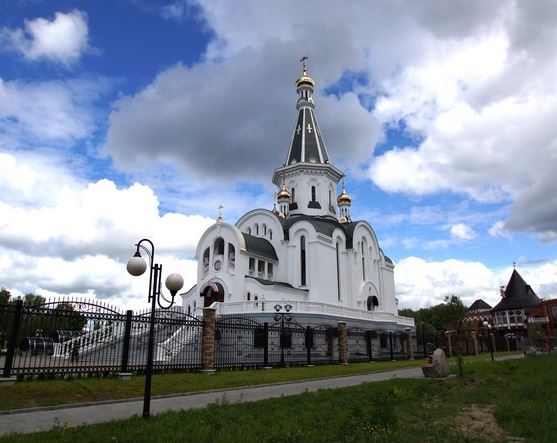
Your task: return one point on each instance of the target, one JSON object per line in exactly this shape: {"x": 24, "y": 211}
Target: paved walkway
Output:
{"x": 44, "y": 419}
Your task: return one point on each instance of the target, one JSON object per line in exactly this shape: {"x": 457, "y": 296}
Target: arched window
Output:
{"x": 231, "y": 254}
{"x": 206, "y": 258}
{"x": 363, "y": 263}
{"x": 293, "y": 195}
{"x": 270, "y": 234}
{"x": 218, "y": 248}
{"x": 313, "y": 193}
{"x": 264, "y": 229}
{"x": 338, "y": 271}
{"x": 249, "y": 296}
{"x": 249, "y": 231}
{"x": 189, "y": 309}
{"x": 256, "y": 229}
{"x": 302, "y": 260}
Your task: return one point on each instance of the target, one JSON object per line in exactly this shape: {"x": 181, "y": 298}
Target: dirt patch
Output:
{"x": 479, "y": 421}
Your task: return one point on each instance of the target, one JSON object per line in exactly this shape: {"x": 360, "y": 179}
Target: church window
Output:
{"x": 338, "y": 272}
{"x": 206, "y": 259}
{"x": 249, "y": 231}
{"x": 270, "y": 234}
{"x": 249, "y": 296}
{"x": 251, "y": 266}
{"x": 219, "y": 246}
{"x": 302, "y": 260}
{"x": 270, "y": 271}
{"x": 231, "y": 255}
{"x": 264, "y": 229}
{"x": 313, "y": 193}
{"x": 330, "y": 197}
{"x": 363, "y": 263}
{"x": 256, "y": 229}
{"x": 189, "y": 309}
{"x": 260, "y": 268}
{"x": 293, "y": 195}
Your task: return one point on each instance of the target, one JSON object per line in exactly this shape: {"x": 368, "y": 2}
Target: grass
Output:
{"x": 35, "y": 393}
{"x": 520, "y": 394}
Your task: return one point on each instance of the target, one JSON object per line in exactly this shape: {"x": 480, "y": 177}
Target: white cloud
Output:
{"x": 421, "y": 283}
{"x": 73, "y": 237}
{"x": 498, "y": 229}
{"x": 55, "y": 112}
{"x": 460, "y": 231}
{"x": 62, "y": 39}
{"x": 233, "y": 120}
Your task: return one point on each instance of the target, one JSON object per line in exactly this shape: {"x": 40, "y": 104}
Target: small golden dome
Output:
{"x": 305, "y": 80}
{"x": 344, "y": 197}
{"x": 283, "y": 194}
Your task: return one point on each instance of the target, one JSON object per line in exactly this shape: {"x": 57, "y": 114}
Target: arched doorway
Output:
{"x": 212, "y": 292}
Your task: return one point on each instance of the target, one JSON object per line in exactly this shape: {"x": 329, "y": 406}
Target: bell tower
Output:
{"x": 307, "y": 174}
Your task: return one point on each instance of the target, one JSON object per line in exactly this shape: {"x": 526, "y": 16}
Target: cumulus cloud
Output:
{"x": 498, "y": 229}
{"x": 65, "y": 236}
{"x": 421, "y": 283}
{"x": 233, "y": 120}
{"x": 62, "y": 39}
{"x": 460, "y": 231}
{"x": 55, "y": 112}
{"x": 483, "y": 103}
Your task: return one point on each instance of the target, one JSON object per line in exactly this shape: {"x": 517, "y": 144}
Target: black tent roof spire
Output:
{"x": 307, "y": 144}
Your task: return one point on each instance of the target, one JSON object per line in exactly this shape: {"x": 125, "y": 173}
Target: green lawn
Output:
{"x": 493, "y": 401}
{"x": 33, "y": 393}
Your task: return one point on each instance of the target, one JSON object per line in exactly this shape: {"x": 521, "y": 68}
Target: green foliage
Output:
{"x": 444, "y": 316}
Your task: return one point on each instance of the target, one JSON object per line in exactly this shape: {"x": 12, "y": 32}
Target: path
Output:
{"x": 44, "y": 419}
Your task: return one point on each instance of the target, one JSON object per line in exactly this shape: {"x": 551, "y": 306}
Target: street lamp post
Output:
{"x": 136, "y": 266}
{"x": 282, "y": 316}
{"x": 487, "y": 327}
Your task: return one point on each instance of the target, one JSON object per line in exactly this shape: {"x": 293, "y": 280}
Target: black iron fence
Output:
{"x": 72, "y": 336}
{"x": 77, "y": 336}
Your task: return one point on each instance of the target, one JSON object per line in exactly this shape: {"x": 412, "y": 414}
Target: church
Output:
{"x": 306, "y": 254}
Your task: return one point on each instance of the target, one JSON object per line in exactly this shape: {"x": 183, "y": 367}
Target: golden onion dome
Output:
{"x": 283, "y": 194}
{"x": 305, "y": 79}
{"x": 344, "y": 197}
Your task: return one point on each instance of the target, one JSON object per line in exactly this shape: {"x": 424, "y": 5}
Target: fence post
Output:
{"x": 266, "y": 345}
{"x": 13, "y": 339}
{"x": 391, "y": 345}
{"x": 127, "y": 334}
{"x": 309, "y": 344}
{"x": 410, "y": 347}
{"x": 208, "y": 340}
{"x": 342, "y": 343}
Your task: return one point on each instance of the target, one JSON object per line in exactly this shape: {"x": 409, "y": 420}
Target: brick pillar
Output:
{"x": 449, "y": 344}
{"x": 208, "y": 339}
{"x": 475, "y": 341}
{"x": 410, "y": 348}
{"x": 342, "y": 343}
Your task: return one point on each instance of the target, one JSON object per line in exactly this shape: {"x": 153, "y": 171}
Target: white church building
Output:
{"x": 306, "y": 252}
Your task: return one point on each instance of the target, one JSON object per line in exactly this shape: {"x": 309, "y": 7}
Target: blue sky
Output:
{"x": 128, "y": 118}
